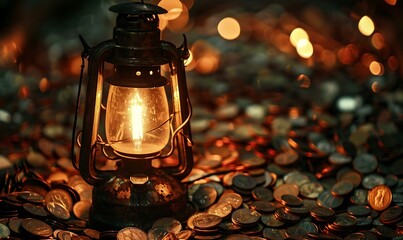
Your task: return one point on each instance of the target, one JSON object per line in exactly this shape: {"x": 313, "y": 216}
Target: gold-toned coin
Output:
{"x": 131, "y": 233}
{"x": 379, "y": 197}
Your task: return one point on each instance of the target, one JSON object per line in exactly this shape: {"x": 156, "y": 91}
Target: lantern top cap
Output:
{"x": 136, "y": 8}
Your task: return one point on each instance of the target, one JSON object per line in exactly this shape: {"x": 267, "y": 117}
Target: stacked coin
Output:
{"x": 284, "y": 149}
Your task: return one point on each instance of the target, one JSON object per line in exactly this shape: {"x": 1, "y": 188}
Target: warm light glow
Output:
{"x": 188, "y": 3}
{"x": 328, "y": 58}
{"x": 137, "y": 121}
{"x": 298, "y": 34}
{"x": 163, "y": 22}
{"x": 348, "y": 54}
{"x": 281, "y": 42}
{"x": 44, "y": 84}
{"x": 207, "y": 64}
{"x": 367, "y": 59}
{"x": 75, "y": 65}
{"x": 391, "y": 2}
{"x": 366, "y": 26}
{"x": 206, "y": 58}
{"x": 10, "y": 48}
{"x": 293, "y": 112}
{"x": 378, "y": 41}
{"x": 180, "y": 22}
{"x": 229, "y": 28}
{"x": 375, "y": 87}
{"x": 304, "y": 48}
{"x": 24, "y": 92}
{"x": 304, "y": 81}
{"x": 376, "y": 68}
{"x": 393, "y": 63}
{"x": 174, "y": 8}
{"x": 188, "y": 61}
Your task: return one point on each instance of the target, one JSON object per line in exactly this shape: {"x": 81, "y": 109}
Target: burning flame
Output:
{"x": 137, "y": 121}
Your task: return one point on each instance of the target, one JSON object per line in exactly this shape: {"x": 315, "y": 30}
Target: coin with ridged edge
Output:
{"x": 189, "y": 222}
{"x": 31, "y": 197}
{"x": 38, "y": 211}
{"x": 341, "y": 188}
{"x": 263, "y": 206}
{"x": 291, "y": 200}
{"x": 262, "y": 193}
{"x": 4, "y": 231}
{"x": 270, "y": 221}
{"x": 36, "y": 227}
{"x": 379, "y": 197}
{"x": 58, "y": 210}
{"x": 204, "y": 197}
{"x": 131, "y": 233}
{"x": 206, "y": 221}
{"x": 15, "y": 225}
{"x": 359, "y": 210}
{"x": 365, "y": 163}
{"x": 168, "y": 223}
{"x": 286, "y": 158}
{"x": 245, "y": 217}
{"x": 275, "y": 233}
{"x": 287, "y": 188}
{"x": 232, "y": 198}
{"x": 326, "y": 199}
{"x": 311, "y": 190}
{"x": 244, "y": 182}
{"x": 221, "y": 209}
{"x": 391, "y": 215}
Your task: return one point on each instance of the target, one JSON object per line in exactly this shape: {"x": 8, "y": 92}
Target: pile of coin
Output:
{"x": 44, "y": 209}
{"x": 282, "y": 149}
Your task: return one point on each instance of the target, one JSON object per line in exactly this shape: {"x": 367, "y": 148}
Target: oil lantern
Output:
{"x": 146, "y": 117}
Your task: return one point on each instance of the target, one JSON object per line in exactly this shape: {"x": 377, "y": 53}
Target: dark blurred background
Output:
{"x": 40, "y": 52}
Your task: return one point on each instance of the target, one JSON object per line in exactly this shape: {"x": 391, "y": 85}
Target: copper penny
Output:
{"x": 206, "y": 221}
{"x": 221, "y": 209}
{"x": 379, "y": 197}
{"x": 287, "y": 188}
{"x": 286, "y": 158}
{"x": 245, "y": 217}
{"x": 36, "y": 227}
{"x": 232, "y": 198}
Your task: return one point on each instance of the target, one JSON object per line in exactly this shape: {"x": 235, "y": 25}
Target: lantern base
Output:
{"x": 136, "y": 201}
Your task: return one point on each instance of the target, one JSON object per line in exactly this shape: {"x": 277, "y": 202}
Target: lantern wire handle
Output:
{"x": 84, "y": 55}
{"x": 177, "y": 130}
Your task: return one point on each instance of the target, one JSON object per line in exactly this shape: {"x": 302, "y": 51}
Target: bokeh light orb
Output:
{"x": 229, "y": 28}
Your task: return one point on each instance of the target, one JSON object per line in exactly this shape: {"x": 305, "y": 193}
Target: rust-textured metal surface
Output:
{"x": 119, "y": 202}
